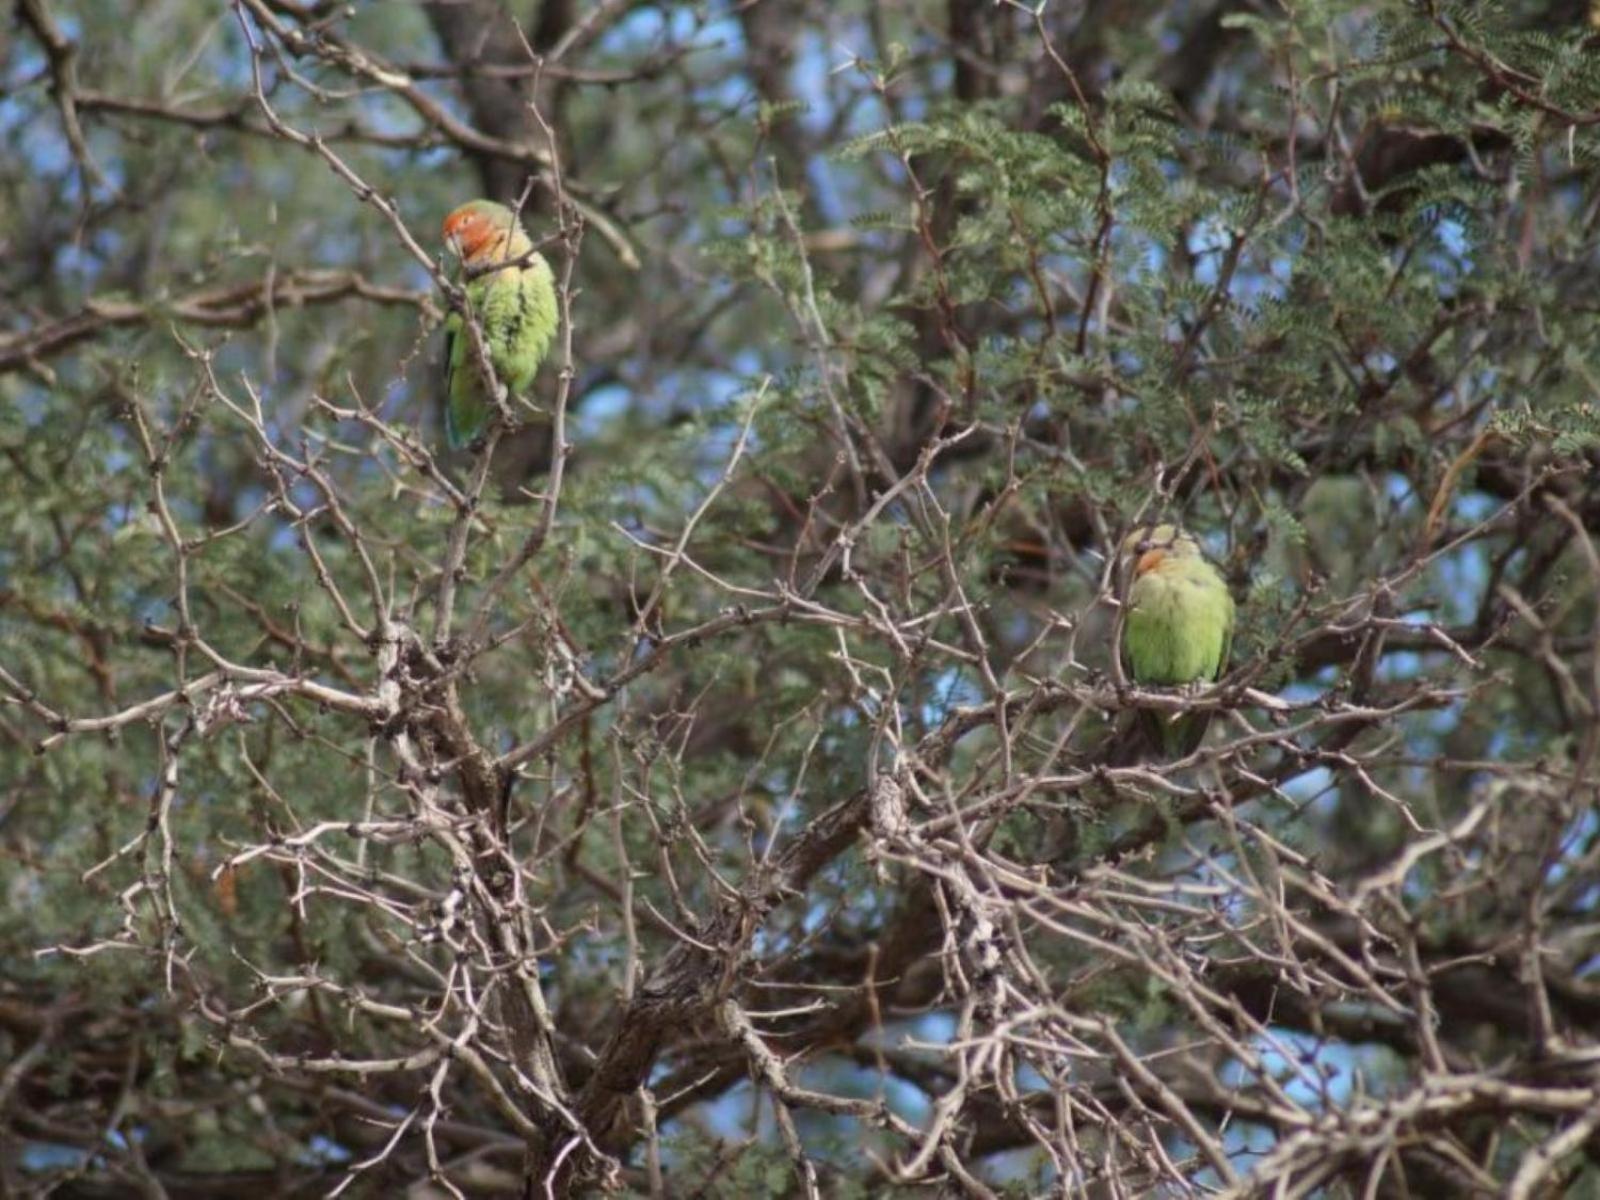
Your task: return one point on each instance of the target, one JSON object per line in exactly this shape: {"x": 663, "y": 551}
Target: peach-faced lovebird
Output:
{"x": 515, "y": 307}
{"x": 1178, "y": 627}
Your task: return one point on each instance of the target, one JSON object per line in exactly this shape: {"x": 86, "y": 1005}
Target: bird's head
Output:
{"x": 1148, "y": 546}
{"x": 481, "y": 231}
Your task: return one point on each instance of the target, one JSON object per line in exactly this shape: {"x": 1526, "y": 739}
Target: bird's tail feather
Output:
{"x": 463, "y": 422}
{"x": 1170, "y": 737}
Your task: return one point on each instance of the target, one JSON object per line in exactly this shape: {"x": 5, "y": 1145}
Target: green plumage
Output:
{"x": 515, "y": 308}
{"x": 1178, "y": 629}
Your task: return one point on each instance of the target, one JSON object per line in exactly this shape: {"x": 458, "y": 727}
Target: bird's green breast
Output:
{"x": 1179, "y": 620}
{"x": 516, "y": 310}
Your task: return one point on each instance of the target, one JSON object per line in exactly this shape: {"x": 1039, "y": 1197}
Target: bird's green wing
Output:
{"x": 447, "y": 372}
{"x": 465, "y": 409}
{"x": 1227, "y": 652}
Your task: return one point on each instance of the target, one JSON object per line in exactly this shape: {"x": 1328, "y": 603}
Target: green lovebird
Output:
{"x": 1178, "y": 628}
{"x": 515, "y": 308}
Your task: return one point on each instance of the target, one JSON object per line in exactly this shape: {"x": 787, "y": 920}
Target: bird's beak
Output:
{"x": 1149, "y": 560}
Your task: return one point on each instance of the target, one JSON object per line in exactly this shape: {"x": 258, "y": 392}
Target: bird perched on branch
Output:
{"x": 1177, "y": 630}
{"x": 512, "y": 295}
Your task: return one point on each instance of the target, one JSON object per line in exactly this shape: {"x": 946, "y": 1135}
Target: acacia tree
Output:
{"x": 718, "y": 784}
